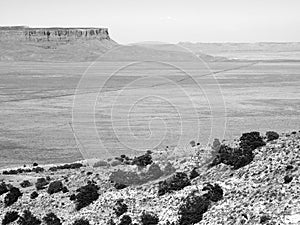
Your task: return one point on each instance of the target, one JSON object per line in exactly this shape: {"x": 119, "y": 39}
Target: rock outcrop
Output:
{"x": 23, "y": 33}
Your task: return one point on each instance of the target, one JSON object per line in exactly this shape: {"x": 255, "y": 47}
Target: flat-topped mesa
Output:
{"x": 23, "y": 33}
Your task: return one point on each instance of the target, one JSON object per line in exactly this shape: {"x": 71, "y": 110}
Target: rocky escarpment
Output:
{"x": 23, "y": 33}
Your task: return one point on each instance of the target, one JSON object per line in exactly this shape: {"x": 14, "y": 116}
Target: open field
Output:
{"x": 36, "y": 102}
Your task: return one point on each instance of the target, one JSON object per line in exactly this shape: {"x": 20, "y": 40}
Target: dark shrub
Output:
{"x": 236, "y": 157}
{"x": 192, "y": 209}
{"x": 28, "y": 219}
{"x": 38, "y": 169}
{"x": 215, "y": 192}
{"x": 272, "y": 135}
{"x": 41, "y": 183}
{"x": 66, "y": 166}
{"x": 194, "y": 174}
{"x": 287, "y": 179}
{"x": 34, "y": 195}
{"x": 149, "y": 219}
{"x": 264, "y": 219}
{"x": 12, "y": 196}
{"x": 111, "y": 222}
{"x": 120, "y": 207}
{"x": 289, "y": 167}
{"x": 65, "y": 189}
{"x": 54, "y": 187}
{"x": 72, "y": 197}
{"x": 251, "y": 140}
{"x": 81, "y": 222}
{"x": 89, "y": 173}
{"x": 35, "y": 164}
{"x": 142, "y": 160}
{"x": 125, "y": 220}
{"x": 10, "y": 217}
{"x": 86, "y": 195}
{"x": 175, "y": 183}
{"x": 25, "y": 184}
{"x": 120, "y": 186}
{"x": 3, "y": 188}
{"x": 52, "y": 219}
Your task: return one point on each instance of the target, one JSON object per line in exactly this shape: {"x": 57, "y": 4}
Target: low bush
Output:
{"x": 86, "y": 195}
{"x": 125, "y": 220}
{"x": 142, "y": 160}
{"x": 154, "y": 172}
{"x": 149, "y": 219}
{"x": 100, "y": 164}
{"x": 115, "y": 163}
{"x": 54, "y": 187}
{"x": 175, "y": 183}
{"x": 25, "y": 184}
{"x": 28, "y": 219}
{"x": 194, "y": 174}
{"x": 65, "y": 189}
{"x": 251, "y": 140}
{"x": 41, "y": 183}
{"x": 192, "y": 209}
{"x": 38, "y": 169}
{"x": 120, "y": 207}
{"x": 51, "y": 219}
{"x": 81, "y": 221}
{"x": 236, "y": 157}
{"x": 12, "y": 196}
{"x": 120, "y": 186}
{"x": 66, "y": 166}
{"x": 10, "y": 217}
{"x": 215, "y": 192}
{"x": 271, "y": 135}
{"x": 3, "y": 188}
{"x": 34, "y": 195}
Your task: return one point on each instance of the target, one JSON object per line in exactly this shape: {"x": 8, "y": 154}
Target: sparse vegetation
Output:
{"x": 125, "y": 220}
{"x": 25, "y": 184}
{"x": 3, "y": 188}
{"x": 41, "y": 183}
{"x": 143, "y": 160}
{"x": 34, "y": 195}
{"x": 215, "y": 192}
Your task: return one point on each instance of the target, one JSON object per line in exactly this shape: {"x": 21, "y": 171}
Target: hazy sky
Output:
{"x": 164, "y": 20}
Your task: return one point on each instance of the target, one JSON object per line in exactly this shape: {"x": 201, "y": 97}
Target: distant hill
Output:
{"x": 248, "y": 51}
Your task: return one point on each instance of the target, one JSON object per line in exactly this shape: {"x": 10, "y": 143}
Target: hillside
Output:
{"x": 265, "y": 191}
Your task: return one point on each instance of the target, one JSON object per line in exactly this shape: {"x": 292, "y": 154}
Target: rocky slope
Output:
{"x": 266, "y": 191}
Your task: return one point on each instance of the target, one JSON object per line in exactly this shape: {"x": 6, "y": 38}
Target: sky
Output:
{"x": 171, "y": 21}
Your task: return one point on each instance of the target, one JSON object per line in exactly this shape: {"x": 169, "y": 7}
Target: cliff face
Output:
{"x": 22, "y": 33}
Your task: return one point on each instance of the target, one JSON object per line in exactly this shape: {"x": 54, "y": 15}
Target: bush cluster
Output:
{"x": 21, "y": 170}
{"x": 54, "y": 187}
{"x": 25, "y": 184}
{"x": 175, "y": 183}
{"x": 215, "y": 192}
{"x": 41, "y": 183}
{"x": 120, "y": 207}
{"x": 10, "y": 217}
{"x": 192, "y": 209}
{"x": 194, "y": 174}
{"x": 149, "y": 219}
{"x": 34, "y": 195}
{"x": 143, "y": 160}
{"x": 28, "y": 219}
{"x": 3, "y": 188}
{"x": 51, "y": 219}
{"x": 242, "y": 155}
{"x": 12, "y": 196}
{"x": 86, "y": 195}
{"x": 66, "y": 166}
{"x": 125, "y": 220}
{"x": 271, "y": 135}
